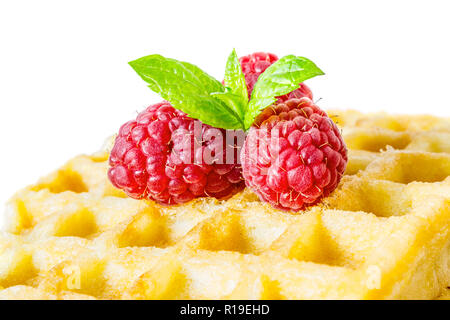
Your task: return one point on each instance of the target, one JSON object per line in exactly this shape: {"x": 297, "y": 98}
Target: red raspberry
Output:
{"x": 256, "y": 63}
{"x": 166, "y": 156}
{"x": 293, "y": 155}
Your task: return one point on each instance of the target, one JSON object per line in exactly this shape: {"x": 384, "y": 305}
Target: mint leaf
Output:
{"x": 280, "y": 78}
{"x": 235, "y": 102}
{"x": 188, "y": 89}
{"x": 235, "y": 81}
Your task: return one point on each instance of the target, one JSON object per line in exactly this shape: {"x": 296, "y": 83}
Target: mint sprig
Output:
{"x": 202, "y": 97}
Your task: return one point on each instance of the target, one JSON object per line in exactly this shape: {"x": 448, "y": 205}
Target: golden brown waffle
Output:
{"x": 383, "y": 234}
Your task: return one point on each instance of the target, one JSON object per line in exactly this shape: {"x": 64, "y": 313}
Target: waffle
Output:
{"x": 383, "y": 234}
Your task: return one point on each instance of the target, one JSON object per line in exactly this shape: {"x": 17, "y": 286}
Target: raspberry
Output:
{"x": 294, "y": 155}
{"x": 256, "y": 63}
{"x": 163, "y": 156}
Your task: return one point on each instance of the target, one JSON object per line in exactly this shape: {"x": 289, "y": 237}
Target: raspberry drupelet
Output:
{"x": 160, "y": 156}
{"x": 253, "y": 65}
{"x": 294, "y": 155}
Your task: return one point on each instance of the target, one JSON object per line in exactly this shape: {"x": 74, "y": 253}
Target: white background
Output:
{"x": 65, "y": 84}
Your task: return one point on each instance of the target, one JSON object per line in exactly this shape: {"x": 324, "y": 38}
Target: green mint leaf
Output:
{"x": 235, "y": 80}
{"x": 280, "y": 78}
{"x": 234, "y": 101}
{"x": 188, "y": 89}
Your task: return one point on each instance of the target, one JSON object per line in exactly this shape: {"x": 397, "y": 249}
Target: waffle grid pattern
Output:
{"x": 383, "y": 234}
